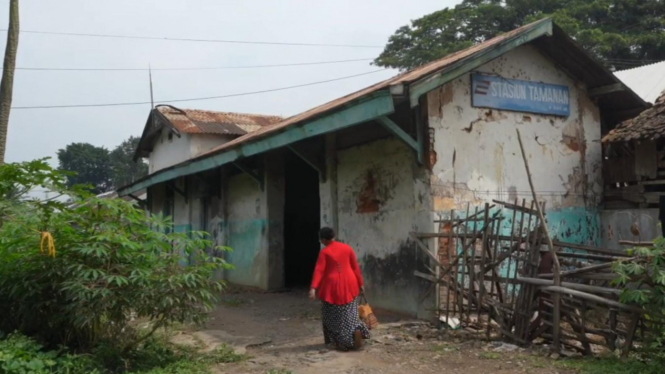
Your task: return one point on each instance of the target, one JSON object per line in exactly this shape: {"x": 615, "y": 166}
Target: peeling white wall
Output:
{"x": 378, "y": 206}
{"x": 201, "y": 143}
{"x": 167, "y": 152}
{"x": 178, "y": 149}
{"x": 477, "y": 154}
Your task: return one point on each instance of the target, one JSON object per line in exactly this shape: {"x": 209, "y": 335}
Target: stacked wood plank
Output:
{"x": 496, "y": 279}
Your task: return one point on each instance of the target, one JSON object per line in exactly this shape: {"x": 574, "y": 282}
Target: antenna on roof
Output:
{"x": 152, "y": 101}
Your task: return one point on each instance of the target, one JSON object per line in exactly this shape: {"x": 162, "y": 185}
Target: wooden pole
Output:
{"x": 557, "y": 266}
{"x": 7, "y": 83}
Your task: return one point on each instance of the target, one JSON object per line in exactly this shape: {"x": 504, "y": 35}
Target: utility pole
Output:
{"x": 7, "y": 83}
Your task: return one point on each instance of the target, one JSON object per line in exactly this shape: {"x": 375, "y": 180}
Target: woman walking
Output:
{"x": 338, "y": 281}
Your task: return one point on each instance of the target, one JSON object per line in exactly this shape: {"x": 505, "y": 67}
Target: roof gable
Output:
{"x": 195, "y": 121}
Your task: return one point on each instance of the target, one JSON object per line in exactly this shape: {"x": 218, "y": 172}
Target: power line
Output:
{"x": 198, "y": 68}
{"x": 197, "y": 98}
{"x": 194, "y": 40}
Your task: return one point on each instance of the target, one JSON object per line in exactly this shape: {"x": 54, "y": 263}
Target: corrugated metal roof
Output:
{"x": 647, "y": 81}
{"x": 404, "y": 78}
{"x": 194, "y": 121}
{"x": 585, "y": 67}
{"x": 650, "y": 124}
{"x": 558, "y": 46}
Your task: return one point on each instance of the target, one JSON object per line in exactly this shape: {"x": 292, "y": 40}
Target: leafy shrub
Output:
{"x": 643, "y": 282}
{"x": 113, "y": 264}
{"x": 22, "y": 355}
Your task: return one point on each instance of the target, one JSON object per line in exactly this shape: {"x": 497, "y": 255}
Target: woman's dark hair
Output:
{"x": 326, "y": 233}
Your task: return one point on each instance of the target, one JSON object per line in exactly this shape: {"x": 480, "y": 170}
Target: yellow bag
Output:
{"x": 366, "y": 314}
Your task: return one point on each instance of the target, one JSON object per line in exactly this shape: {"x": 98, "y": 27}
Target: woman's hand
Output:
{"x": 362, "y": 289}
{"x": 312, "y": 293}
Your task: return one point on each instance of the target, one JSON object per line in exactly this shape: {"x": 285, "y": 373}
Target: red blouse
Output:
{"x": 337, "y": 275}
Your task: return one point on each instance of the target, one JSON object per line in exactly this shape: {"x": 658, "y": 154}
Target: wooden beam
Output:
{"x": 311, "y": 160}
{"x": 419, "y": 88}
{"x": 594, "y": 298}
{"x": 398, "y": 132}
{"x": 257, "y": 176}
{"x": 604, "y": 90}
{"x": 574, "y": 286}
{"x": 557, "y": 266}
{"x": 424, "y": 248}
{"x": 176, "y": 189}
{"x": 371, "y": 107}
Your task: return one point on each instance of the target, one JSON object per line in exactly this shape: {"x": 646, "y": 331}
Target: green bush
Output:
{"x": 22, "y": 355}
{"x": 113, "y": 264}
{"x": 643, "y": 282}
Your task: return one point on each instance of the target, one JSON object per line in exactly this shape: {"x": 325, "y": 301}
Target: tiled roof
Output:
{"x": 194, "y": 121}
{"x": 650, "y": 124}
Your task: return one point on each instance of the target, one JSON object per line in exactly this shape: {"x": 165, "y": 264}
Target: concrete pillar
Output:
{"x": 273, "y": 198}
{"x": 328, "y": 189}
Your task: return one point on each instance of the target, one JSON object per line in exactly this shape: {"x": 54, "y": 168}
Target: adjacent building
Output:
{"x": 393, "y": 158}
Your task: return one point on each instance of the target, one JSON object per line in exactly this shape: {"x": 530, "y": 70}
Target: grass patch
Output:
{"x": 611, "y": 365}
{"x": 489, "y": 355}
{"x": 20, "y": 355}
{"x": 444, "y": 348}
{"x": 278, "y": 371}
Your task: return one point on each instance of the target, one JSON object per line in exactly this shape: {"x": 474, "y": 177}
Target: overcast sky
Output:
{"x": 37, "y": 133}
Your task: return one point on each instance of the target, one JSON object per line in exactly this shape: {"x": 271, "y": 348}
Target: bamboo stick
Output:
{"x": 557, "y": 266}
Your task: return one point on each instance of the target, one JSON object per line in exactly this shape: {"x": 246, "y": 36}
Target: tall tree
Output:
{"x": 123, "y": 168}
{"x": 621, "y": 33}
{"x": 7, "y": 84}
{"x": 91, "y": 165}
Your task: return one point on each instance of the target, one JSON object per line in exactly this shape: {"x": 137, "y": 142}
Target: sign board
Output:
{"x": 489, "y": 91}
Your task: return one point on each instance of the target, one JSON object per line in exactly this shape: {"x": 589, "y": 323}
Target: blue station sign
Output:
{"x": 489, "y": 91}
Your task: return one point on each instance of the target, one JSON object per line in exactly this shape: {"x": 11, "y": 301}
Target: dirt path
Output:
{"x": 281, "y": 331}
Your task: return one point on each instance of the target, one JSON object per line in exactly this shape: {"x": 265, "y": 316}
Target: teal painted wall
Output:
{"x": 576, "y": 225}
{"x": 245, "y": 238}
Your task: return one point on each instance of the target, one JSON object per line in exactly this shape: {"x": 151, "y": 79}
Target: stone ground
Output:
{"x": 281, "y": 333}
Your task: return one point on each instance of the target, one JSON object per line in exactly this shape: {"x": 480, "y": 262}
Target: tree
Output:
{"x": 123, "y": 168}
{"x": 109, "y": 263}
{"x": 7, "y": 83}
{"x": 90, "y": 164}
{"x": 621, "y": 33}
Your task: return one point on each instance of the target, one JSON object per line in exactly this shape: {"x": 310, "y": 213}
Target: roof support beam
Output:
{"x": 311, "y": 160}
{"x": 256, "y": 175}
{"x": 604, "y": 90}
{"x": 376, "y": 105}
{"x": 173, "y": 187}
{"x": 398, "y": 132}
{"x": 466, "y": 65}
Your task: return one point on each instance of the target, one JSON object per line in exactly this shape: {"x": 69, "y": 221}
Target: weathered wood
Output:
{"x": 557, "y": 265}
{"x": 591, "y": 297}
{"x": 612, "y": 338}
{"x": 631, "y": 335}
{"x": 587, "y": 269}
{"x": 591, "y": 249}
{"x": 604, "y": 90}
{"x": 516, "y": 207}
{"x": 574, "y": 286}
{"x": 424, "y": 248}
{"x": 636, "y": 244}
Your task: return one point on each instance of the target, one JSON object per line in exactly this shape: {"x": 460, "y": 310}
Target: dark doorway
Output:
{"x": 301, "y": 221}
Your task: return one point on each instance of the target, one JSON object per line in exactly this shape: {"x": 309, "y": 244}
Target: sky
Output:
{"x": 38, "y": 133}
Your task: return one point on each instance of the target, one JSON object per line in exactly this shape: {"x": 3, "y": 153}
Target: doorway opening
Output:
{"x": 301, "y": 221}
